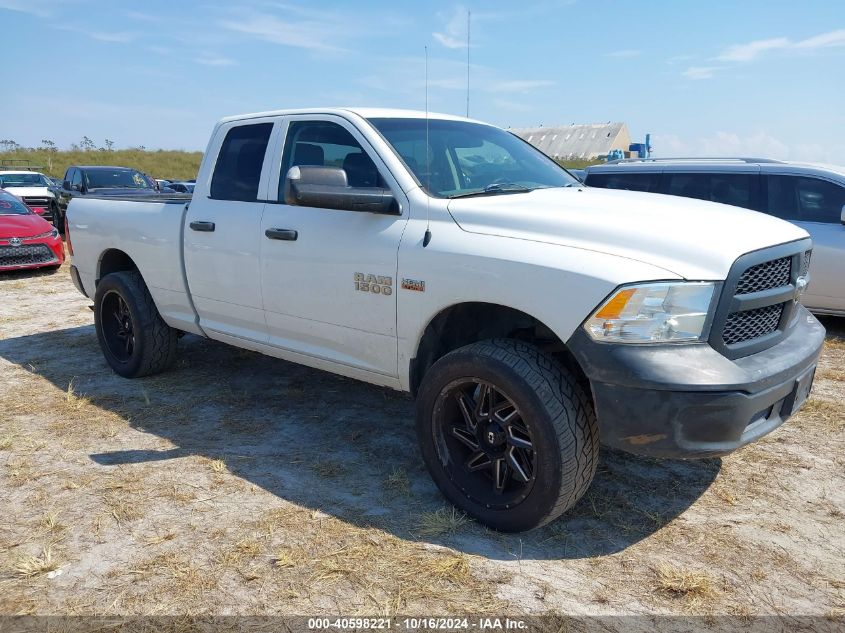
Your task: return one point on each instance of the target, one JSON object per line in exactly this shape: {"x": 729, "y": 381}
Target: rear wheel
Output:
{"x": 134, "y": 338}
{"x": 507, "y": 433}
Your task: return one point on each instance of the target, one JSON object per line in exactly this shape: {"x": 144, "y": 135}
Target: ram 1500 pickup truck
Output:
{"x": 531, "y": 317}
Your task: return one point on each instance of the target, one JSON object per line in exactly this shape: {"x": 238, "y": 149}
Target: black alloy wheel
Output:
{"x": 491, "y": 454}
{"x": 118, "y": 329}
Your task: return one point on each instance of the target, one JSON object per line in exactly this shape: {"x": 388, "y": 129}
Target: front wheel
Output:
{"x": 134, "y": 338}
{"x": 507, "y": 433}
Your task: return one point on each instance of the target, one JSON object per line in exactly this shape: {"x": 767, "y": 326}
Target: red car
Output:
{"x": 26, "y": 239}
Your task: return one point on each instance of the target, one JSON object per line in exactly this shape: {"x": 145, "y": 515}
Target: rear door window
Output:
{"x": 237, "y": 173}
{"x": 805, "y": 199}
{"x": 734, "y": 189}
{"x": 644, "y": 181}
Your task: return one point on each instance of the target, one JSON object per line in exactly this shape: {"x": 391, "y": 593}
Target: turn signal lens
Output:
{"x": 653, "y": 313}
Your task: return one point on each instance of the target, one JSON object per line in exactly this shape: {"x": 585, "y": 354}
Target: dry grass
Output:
{"x": 50, "y": 522}
{"x": 397, "y": 482}
{"x": 329, "y": 470}
{"x": 31, "y": 566}
{"x": 235, "y": 520}
{"x": 446, "y": 520}
{"x": 74, "y": 401}
{"x": 6, "y": 441}
{"x": 385, "y": 573}
{"x": 681, "y": 582}
{"x": 831, "y": 415}
{"x": 832, "y": 374}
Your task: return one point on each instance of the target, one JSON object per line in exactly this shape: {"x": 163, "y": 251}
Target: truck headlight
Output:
{"x": 653, "y": 313}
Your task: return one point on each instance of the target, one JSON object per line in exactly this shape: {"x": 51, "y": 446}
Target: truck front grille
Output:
{"x": 43, "y": 203}
{"x": 805, "y": 264}
{"x": 26, "y": 255}
{"x": 744, "y": 326}
{"x": 763, "y": 276}
{"x": 757, "y": 304}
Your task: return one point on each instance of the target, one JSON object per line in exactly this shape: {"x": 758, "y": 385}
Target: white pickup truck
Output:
{"x": 531, "y": 316}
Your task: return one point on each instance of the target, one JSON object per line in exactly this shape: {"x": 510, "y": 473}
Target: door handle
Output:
{"x": 208, "y": 227}
{"x": 281, "y": 234}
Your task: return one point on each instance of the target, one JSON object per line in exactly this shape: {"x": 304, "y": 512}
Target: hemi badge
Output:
{"x": 413, "y": 284}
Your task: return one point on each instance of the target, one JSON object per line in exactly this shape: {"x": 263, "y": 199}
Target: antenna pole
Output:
{"x": 469, "y": 13}
{"x": 427, "y": 236}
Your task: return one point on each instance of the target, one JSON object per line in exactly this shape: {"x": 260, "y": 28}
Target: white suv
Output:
{"x": 811, "y": 196}
{"x": 34, "y": 188}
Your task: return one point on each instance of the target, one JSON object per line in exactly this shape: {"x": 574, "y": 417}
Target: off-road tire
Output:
{"x": 564, "y": 429}
{"x": 154, "y": 347}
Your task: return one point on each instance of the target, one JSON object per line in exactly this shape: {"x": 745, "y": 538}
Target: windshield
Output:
{"x": 9, "y": 205}
{"x": 116, "y": 178}
{"x": 24, "y": 180}
{"x": 464, "y": 159}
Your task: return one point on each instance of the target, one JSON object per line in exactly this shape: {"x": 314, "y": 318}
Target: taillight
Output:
{"x": 67, "y": 237}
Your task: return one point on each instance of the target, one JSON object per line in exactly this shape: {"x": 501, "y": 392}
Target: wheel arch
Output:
{"x": 114, "y": 260}
{"x": 464, "y": 323}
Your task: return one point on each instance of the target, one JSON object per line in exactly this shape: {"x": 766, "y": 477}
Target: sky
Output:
{"x": 721, "y": 77}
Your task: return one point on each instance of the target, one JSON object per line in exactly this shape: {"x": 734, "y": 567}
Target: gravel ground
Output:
{"x": 240, "y": 484}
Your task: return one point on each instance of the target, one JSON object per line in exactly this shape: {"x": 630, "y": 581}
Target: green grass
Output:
{"x": 158, "y": 163}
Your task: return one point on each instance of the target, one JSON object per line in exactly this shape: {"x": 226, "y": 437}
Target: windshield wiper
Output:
{"x": 495, "y": 188}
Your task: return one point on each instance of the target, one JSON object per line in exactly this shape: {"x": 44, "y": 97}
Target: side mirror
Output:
{"x": 328, "y": 188}
{"x": 842, "y": 215}
{"x": 66, "y": 184}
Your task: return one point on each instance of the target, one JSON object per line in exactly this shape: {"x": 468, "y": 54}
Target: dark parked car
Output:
{"x": 182, "y": 187}
{"x": 82, "y": 180}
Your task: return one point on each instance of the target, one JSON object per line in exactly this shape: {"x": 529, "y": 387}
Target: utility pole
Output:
{"x": 469, "y": 13}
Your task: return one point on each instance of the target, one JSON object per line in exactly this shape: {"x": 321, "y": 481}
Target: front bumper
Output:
{"x": 690, "y": 401}
{"x": 31, "y": 254}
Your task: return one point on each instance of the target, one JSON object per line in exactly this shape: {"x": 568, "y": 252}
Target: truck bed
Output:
{"x": 150, "y": 233}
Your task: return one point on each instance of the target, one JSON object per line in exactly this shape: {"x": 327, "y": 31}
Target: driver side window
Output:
{"x": 327, "y": 144}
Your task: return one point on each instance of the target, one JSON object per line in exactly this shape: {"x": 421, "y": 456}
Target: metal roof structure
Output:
{"x": 577, "y": 141}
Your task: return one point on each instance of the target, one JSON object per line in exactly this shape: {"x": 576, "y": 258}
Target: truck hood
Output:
{"x": 35, "y": 192}
{"x": 23, "y": 225}
{"x": 692, "y": 239}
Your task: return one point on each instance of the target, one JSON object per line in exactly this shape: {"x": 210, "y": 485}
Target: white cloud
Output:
{"x": 210, "y": 59}
{"x": 700, "y": 72}
{"x": 833, "y": 38}
{"x": 144, "y": 17}
{"x": 114, "y": 37}
{"x": 721, "y": 144}
{"x": 627, "y": 53}
{"x": 454, "y": 33}
{"x": 309, "y": 34}
{"x": 751, "y": 50}
{"x": 111, "y": 36}
{"x": 519, "y": 85}
{"x": 38, "y": 8}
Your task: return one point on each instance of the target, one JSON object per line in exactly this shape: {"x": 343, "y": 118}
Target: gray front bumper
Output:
{"x": 690, "y": 400}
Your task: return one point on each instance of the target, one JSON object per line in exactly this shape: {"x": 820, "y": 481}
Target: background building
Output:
{"x": 571, "y": 142}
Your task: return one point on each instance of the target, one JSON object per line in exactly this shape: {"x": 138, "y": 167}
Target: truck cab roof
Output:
{"x": 365, "y": 113}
